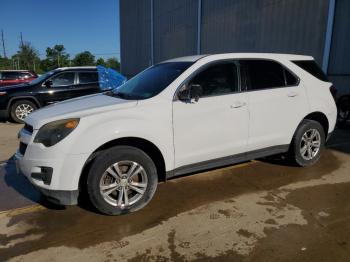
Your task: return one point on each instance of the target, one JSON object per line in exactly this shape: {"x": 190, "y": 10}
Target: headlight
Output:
{"x": 3, "y": 93}
{"x": 52, "y": 133}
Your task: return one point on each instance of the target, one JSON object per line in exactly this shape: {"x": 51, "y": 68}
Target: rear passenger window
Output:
{"x": 88, "y": 77}
{"x": 264, "y": 74}
{"x": 218, "y": 79}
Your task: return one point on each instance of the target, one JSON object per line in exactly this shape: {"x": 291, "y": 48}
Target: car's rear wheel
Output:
{"x": 21, "y": 109}
{"x": 307, "y": 143}
{"x": 121, "y": 180}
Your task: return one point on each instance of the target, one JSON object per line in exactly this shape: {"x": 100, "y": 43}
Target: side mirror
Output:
{"x": 193, "y": 91}
{"x": 196, "y": 92}
{"x": 48, "y": 83}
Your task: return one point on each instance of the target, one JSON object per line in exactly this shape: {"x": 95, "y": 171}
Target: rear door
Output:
{"x": 277, "y": 103}
{"x": 87, "y": 83}
{"x": 9, "y": 78}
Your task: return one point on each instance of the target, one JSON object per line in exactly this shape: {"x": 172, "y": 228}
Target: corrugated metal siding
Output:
{"x": 135, "y": 35}
{"x": 175, "y": 28}
{"x": 340, "y": 48}
{"x": 282, "y": 26}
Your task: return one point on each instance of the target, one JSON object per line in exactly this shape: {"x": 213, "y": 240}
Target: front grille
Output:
{"x": 22, "y": 148}
{"x": 28, "y": 128}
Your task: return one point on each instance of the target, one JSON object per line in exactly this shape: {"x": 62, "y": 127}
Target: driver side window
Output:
{"x": 218, "y": 79}
{"x": 63, "y": 79}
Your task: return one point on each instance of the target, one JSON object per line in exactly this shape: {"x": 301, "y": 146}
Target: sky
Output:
{"x": 80, "y": 25}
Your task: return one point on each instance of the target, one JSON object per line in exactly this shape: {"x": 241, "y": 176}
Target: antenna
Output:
{"x": 3, "y": 42}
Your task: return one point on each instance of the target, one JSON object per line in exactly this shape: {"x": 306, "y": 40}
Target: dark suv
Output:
{"x": 15, "y": 77}
{"x": 57, "y": 85}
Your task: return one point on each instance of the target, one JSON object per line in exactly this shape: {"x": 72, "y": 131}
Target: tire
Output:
{"x": 121, "y": 158}
{"x": 343, "y": 105}
{"x": 20, "y": 109}
{"x": 303, "y": 138}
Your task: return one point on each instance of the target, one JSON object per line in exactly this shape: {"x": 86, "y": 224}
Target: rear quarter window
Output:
{"x": 311, "y": 67}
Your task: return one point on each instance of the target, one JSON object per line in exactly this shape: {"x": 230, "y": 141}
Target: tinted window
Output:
{"x": 291, "y": 80}
{"x": 151, "y": 81}
{"x": 311, "y": 67}
{"x": 218, "y": 79}
{"x": 25, "y": 75}
{"x": 88, "y": 77}
{"x": 63, "y": 79}
{"x": 262, "y": 74}
{"x": 9, "y": 75}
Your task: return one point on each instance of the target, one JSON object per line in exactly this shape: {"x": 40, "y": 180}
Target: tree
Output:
{"x": 27, "y": 56}
{"x": 55, "y": 57}
{"x": 84, "y": 59}
{"x": 101, "y": 62}
{"x": 113, "y": 63}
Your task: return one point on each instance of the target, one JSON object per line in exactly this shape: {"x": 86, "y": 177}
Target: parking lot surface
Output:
{"x": 257, "y": 211}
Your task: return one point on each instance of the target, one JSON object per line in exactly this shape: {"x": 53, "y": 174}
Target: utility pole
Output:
{"x": 21, "y": 40}
{"x": 3, "y": 42}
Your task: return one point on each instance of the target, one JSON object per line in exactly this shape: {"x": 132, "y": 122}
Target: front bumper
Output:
{"x": 56, "y": 174}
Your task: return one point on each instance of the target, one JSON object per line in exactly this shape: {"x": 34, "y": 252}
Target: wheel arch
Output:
{"x": 320, "y": 118}
{"x": 145, "y": 145}
{"x": 18, "y": 98}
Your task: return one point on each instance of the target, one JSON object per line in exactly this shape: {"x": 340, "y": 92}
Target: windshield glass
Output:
{"x": 42, "y": 77}
{"x": 151, "y": 81}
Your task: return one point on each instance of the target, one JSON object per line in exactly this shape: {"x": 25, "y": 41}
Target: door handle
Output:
{"x": 292, "y": 94}
{"x": 238, "y": 104}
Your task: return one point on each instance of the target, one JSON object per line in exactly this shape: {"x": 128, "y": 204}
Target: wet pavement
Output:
{"x": 258, "y": 211}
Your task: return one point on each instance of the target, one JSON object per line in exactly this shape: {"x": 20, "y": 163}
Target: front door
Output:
{"x": 62, "y": 88}
{"x": 215, "y": 126}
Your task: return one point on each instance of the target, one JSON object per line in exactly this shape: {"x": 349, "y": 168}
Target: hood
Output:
{"x": 77, "y": 108}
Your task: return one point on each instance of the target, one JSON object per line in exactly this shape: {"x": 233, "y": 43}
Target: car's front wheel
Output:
{"x": 21, "y": 109}
{"x": 307, "y": 143}
{"x": 121, "y": 180}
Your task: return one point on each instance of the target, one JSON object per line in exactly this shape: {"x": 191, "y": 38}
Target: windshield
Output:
{"x": 42, "y": 77}
{"x": 151, "y": 81}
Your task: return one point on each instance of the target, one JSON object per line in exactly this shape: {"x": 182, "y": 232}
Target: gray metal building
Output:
{"x": 156, "y": 30}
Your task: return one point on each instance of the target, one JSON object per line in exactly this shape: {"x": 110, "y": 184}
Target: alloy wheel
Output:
{"x": 123, "y": 184}
{"x": 23, "y": 110}
{"x": 310, "y": 144}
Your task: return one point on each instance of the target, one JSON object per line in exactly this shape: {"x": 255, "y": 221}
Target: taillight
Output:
{"x": 333, "y": 91}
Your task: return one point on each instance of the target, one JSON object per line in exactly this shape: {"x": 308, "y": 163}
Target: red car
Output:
{"x": 15, "y": 77}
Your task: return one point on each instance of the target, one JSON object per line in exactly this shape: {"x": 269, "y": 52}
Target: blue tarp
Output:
{"x": 109, "y": 78}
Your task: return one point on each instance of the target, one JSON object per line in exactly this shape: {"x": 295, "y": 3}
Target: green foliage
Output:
{"x": 113, "y": 63}
{"x": 101, "y": 62}
{"x": 55, "y": 57}
{"x": 27, "y": 58}
{"x": 84, "y": 59}
{"x": 5, "y": 63}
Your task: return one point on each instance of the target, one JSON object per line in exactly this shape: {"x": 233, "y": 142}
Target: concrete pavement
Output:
{"x": 258, "y": 211}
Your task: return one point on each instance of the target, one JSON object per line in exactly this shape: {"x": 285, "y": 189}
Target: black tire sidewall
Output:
{"x": 106, "y": 159}
{"x": 15, "y": 105}
{"x": 303, "y": 127}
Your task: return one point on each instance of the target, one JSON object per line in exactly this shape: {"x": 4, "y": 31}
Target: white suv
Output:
{"x": 178, "y": 117}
